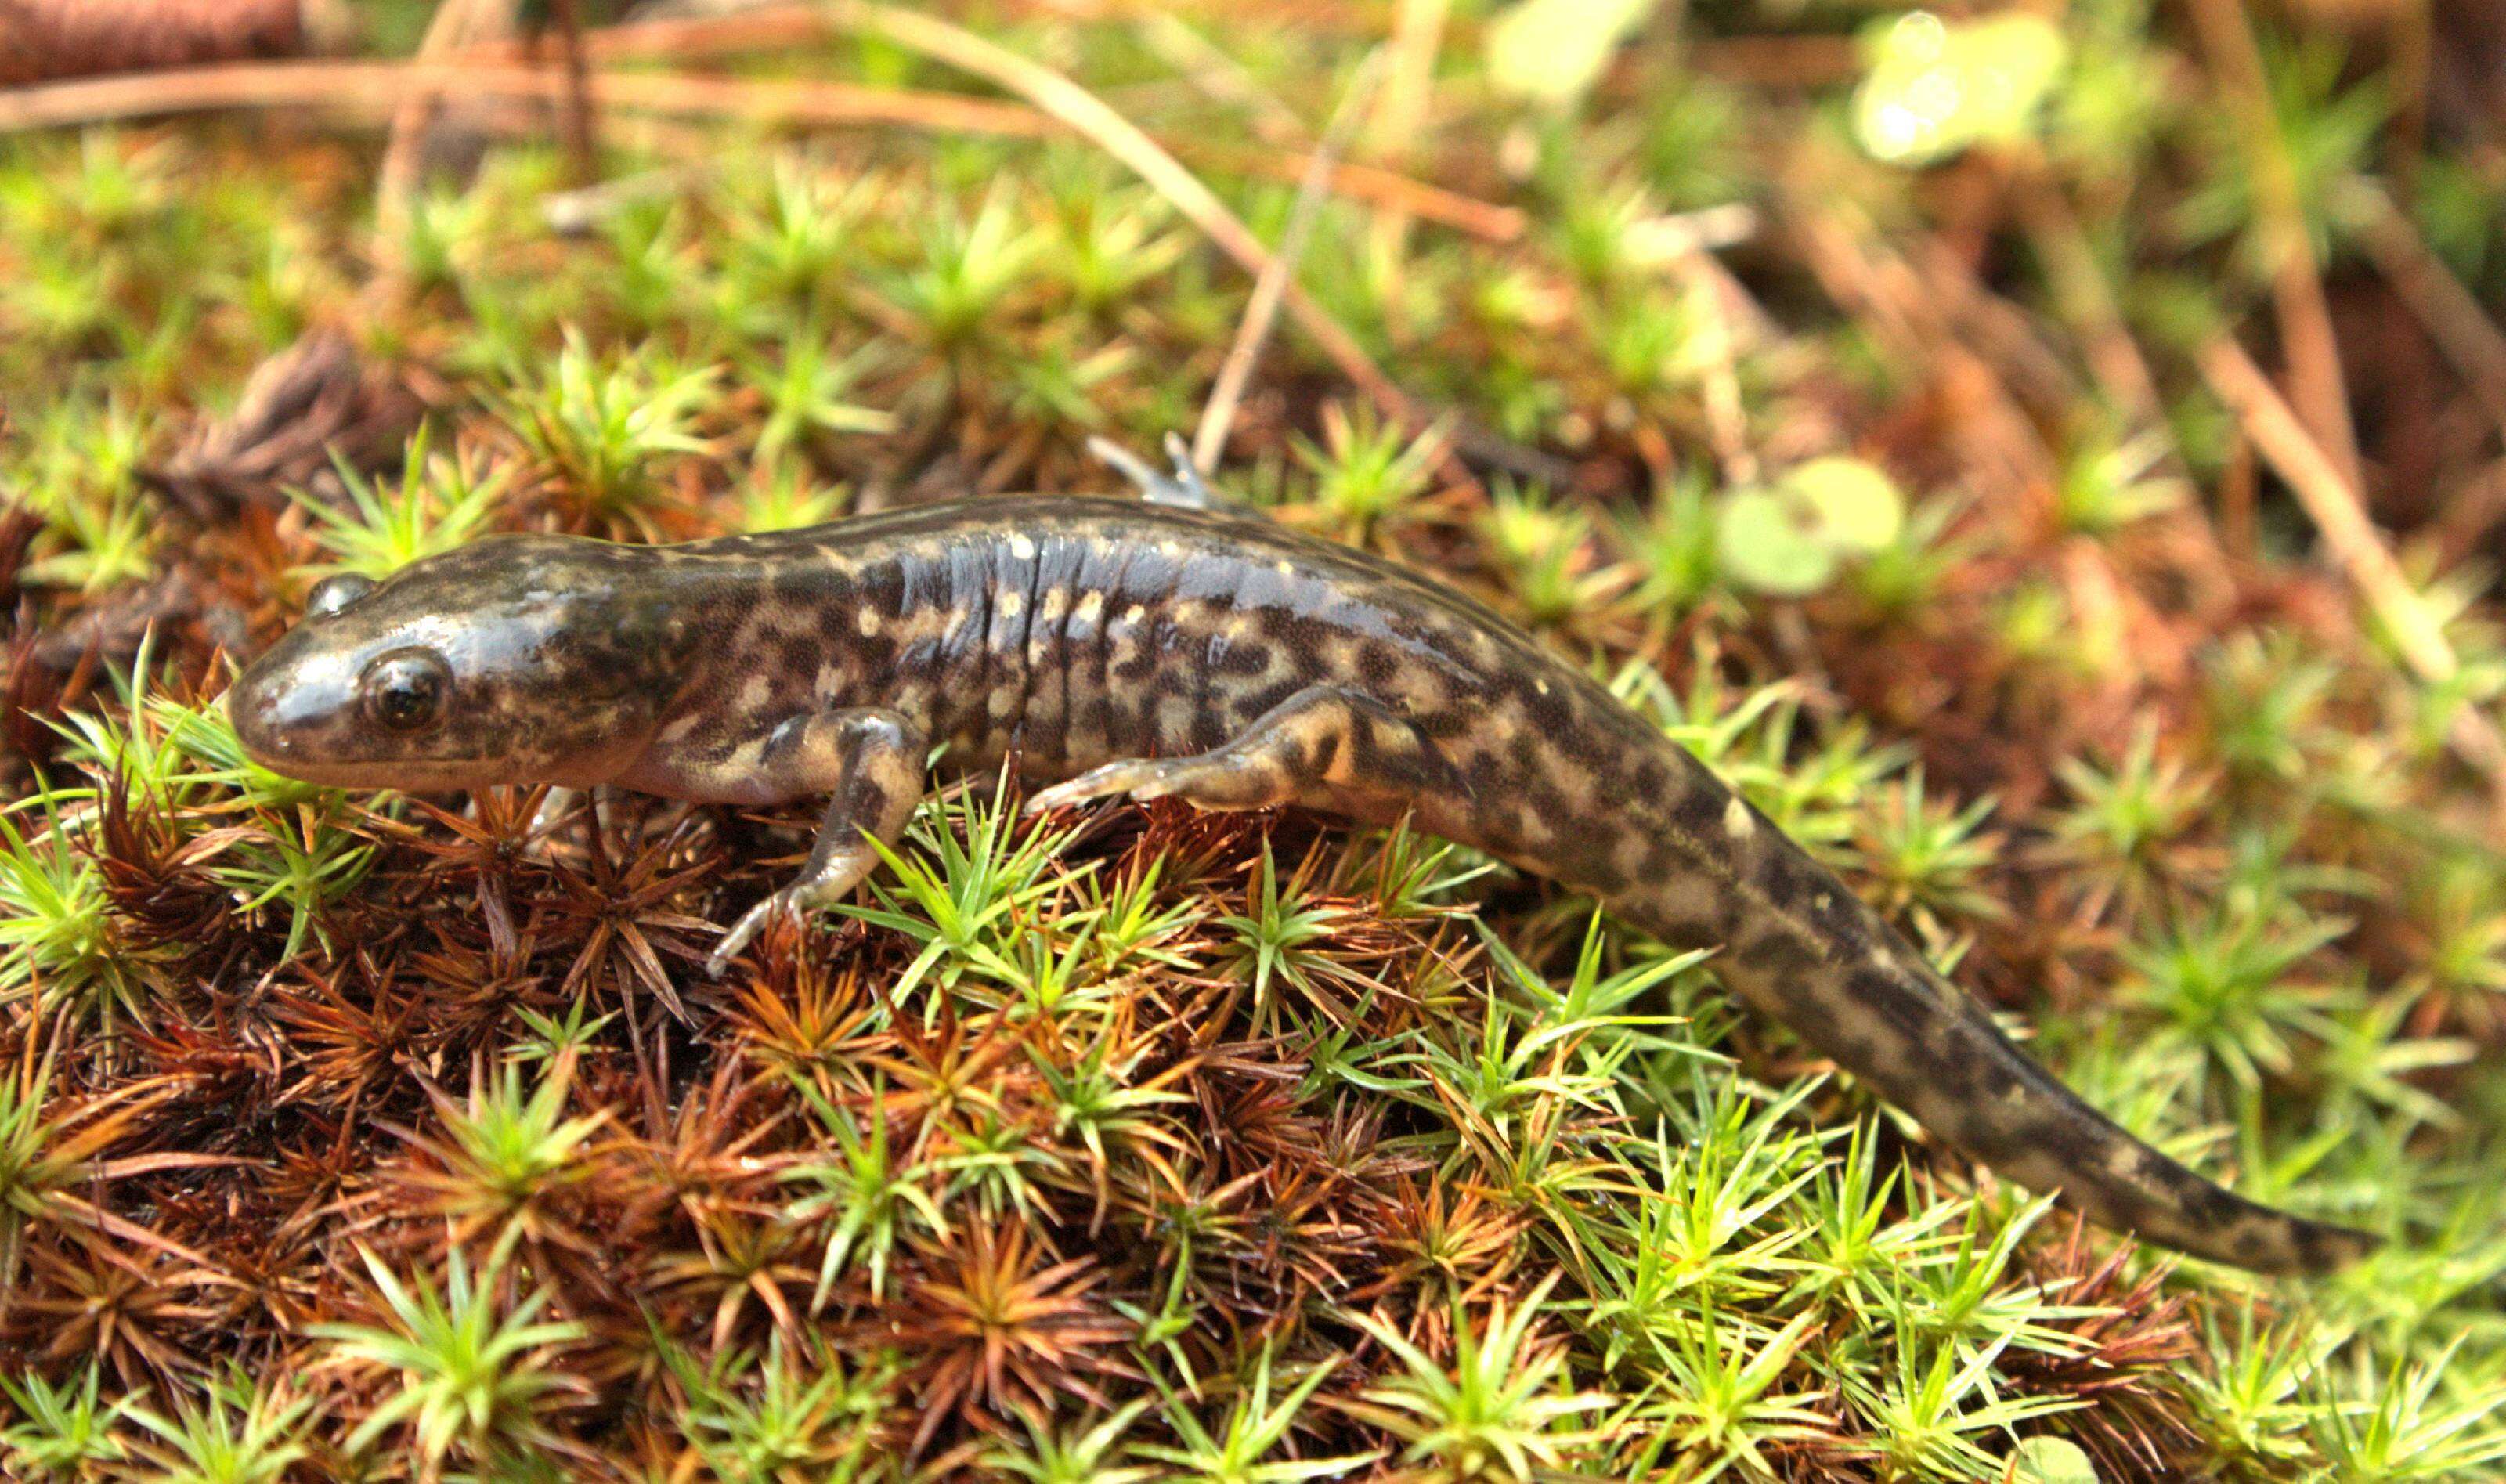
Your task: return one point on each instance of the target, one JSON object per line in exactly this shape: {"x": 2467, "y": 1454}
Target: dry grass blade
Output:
{"x": 2332, "y": 503}
{"x": 1118, "y": 136}
{"x": 371, "y": 88}
{"x": 2451, "y": 314}
{"x": 1261, "y": 309}
{"x": 448, "y": 30}
{"x": 2297, "y": 287}
{"x": 579, "y": 142}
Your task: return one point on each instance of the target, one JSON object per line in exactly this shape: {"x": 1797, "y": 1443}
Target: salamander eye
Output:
{"x": 405, "y": 689}
{"x": 332, "y": 594}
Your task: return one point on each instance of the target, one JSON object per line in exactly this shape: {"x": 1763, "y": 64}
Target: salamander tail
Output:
{"x": 1811, "y": 955}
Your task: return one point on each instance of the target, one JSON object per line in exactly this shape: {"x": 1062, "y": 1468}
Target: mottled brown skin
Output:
{"x": 1115, "y": 647}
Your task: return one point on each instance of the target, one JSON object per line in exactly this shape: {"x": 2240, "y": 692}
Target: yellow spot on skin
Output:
{"x": 1022, "y": 547}
{"x": 1687, "y": 898}
{"x": 1632, "y": 854}
{"x": 1542, "y": 686}
{"x": 1134, "y": 613}
{"x": 1091, "y": 607}
{"x": 1286, "y": 568}
{"x": 1737, "y": 823}
{"x": 1011, "y": 603}
{"x": 1056, "y": 599}
{"x": 867, "y": 621}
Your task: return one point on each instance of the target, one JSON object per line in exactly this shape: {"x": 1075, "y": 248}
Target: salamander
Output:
{"x": 1163, "y": 647}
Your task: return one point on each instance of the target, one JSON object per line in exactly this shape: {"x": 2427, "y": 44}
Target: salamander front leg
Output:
{"x": 1324, "y": 747}
{"x": 870, "y": 760}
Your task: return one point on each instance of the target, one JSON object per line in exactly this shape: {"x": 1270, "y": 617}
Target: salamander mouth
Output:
{"x": 408, "y": 776}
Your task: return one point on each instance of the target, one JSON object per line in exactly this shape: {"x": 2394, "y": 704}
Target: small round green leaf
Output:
{"x": 1771, "y": 541}
{"x": 2051, "y": 1460}
{"x": 1857, "y": 506}
{"x": 1547, "y": 51}
{"x": 1935, "y": 87}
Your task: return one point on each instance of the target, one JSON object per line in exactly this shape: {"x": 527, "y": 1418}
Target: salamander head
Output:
{"x": 514, "y": 660}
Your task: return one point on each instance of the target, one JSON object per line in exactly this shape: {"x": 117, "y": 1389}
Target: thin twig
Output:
{"x": 2331, "y": 501}
{"x": 1118, "y": 136}
{"x": 1401, "y": 111}
{"x": 1098, "y": 123}
{"x": 778, "y": 26}
{"x": 1261, "y": 309}
{"x": 367, "y": 87}
{"x": 1859, "y": 271}
{"x": 374, "y": 87}
{"x": 2451, "y": 314}
{"x": 2085, "y": 298}
{"x": 579, "y": 146}
{"x": 1212, "y": 70}
{"x": 1386, "y": 189}
{"x": 404, "y": 159}
{"x": 2304, "y": 314}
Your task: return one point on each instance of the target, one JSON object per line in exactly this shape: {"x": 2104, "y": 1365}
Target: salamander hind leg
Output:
{"x": 1325, "y": 747}
{"x": 871, "y": 761}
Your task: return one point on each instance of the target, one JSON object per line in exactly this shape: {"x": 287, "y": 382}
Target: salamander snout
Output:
{"x": 333, "y": 713}
{"x": 253, "y": 707}
{"x": 513, "y": 660}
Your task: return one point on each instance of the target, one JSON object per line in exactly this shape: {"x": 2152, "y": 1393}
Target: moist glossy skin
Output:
{"x": 1121, "y": 646}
